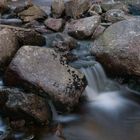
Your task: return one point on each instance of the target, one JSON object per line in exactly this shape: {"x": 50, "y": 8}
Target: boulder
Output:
{"x": 99, "y": 30}
{"x": 61, "y": 42}
{"x": 95, "y": 9}
{"x": 26, "y": 36}
{"x": 114, "y": 5}
{"x": 57, "y": 8}
{"x": 55, "y": 24}
{"x": 118, "y": 48}
{"x": 8, "y": 47}
{"x": 83, "y": 28}
{"x": 45, "y": 72}
{"x": 75, "y": 8}
{"x": 115, "y": 15}
{"x": 18, "y": 105}
{"x": 3, "y": 6}
{"x": 32, "y": 13}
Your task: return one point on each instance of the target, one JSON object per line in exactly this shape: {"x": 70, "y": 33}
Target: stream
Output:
{"x": 111, "y": 111}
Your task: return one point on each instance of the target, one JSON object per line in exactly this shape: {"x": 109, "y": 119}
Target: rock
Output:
{"x": 99, "y": 30}
{"x": 118, "y": 48}
{"x": 26, "y": 36}
{"x": 114, "y": 5}
{"x": 18, "y": 105}
{"x": 3, "y": 6}
{"x": 115, "y": 15}
{"x": 61, "y": 41}
{"x": 57, "y": 8}
{"x": 45, "y": 72}
{"x": 55, "y": 24}
{"x": 95, "y": 8}
{"x": 8, "y": 47}
{"x": 32, "y": 13}
{"x": 75, "y": 8}
{"x": 83, "y": 28}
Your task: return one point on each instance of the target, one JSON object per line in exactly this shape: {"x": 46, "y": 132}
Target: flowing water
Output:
{"x": 110, "y": 112}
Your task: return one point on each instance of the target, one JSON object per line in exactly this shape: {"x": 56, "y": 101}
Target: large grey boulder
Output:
{"x": 45, "y": 72}
{"x": 83, "y": 28}
{"x": 8, "y": 47}
{"x": 118, "y": 48}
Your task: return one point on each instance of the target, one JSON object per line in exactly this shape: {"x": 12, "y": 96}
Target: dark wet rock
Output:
{"x": 83, "y": 28}
{"x": 61, "y": 41}
{"x": 55, "y": 24}
{"x": 14, "y": 22}
{"x": 18, "y": 105}
{"x": 115, "y": 15}
{"x": 99, "y": 30}
{"x": 32, "y": 13}
{"x": 8, "y": 47}
{"x": 3, "y": 6}
{"x": 57, "y": 8}
{"x": 75, "y": 8}
{"x": 45, "y": 72}
{"x": 26, "y": 36}
{"x": 118, "y": 48}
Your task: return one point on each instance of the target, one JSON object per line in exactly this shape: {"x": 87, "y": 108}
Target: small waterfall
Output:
{"x": 97, "y": 80}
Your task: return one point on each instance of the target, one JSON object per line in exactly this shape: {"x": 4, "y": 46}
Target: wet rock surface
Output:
{"x": 26, "y": 36}
{"x": 17, "y": 105}
{"x": 61, "y": 42}
{"x": 115, "y": 15}
{"x": 57, "y": 8}
{"x": 83, "y": 28}
{"x": 118, "y": 47}
{"x": 32, "y": 13}
{"x": 8, "y": 47}
{"x": 55, "y": 24}
{"x": 37, "y": 69}
{"x": 76, "y": 8}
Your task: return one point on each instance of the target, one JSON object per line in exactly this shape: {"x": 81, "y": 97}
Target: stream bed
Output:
{"x": 110, "y": 111}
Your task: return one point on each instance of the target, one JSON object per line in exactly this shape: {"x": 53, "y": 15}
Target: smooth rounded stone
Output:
{"x": 99, "y": 30}
{"x": 57, "y": 8}
{"x": 8, "y": 47}
{"x": 115, "y": 15}
{"x": 75, "y": 8}
{"x": 83, "y": 28}
{"x": 45, "y": 72}
{"x": 61, "y": 42}
{"x": 14, "y": 22}
{"x": 26, "y": 36}
{"x": 55, "y": 24}
{"x": 18, "y": 105}
{"x": 32, "y": 13}
{"x": 118, "y": 48}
